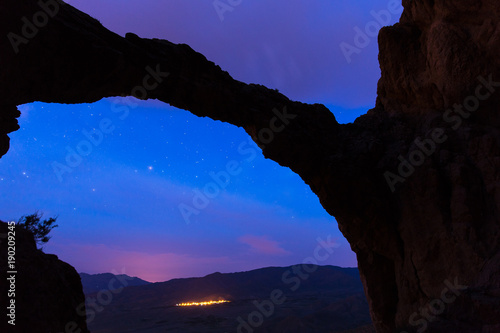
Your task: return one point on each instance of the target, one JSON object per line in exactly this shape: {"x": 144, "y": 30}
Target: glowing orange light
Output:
{"x": 202, "y": 303}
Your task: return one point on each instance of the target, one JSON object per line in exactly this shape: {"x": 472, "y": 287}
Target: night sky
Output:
{"x": 118, "y": 206}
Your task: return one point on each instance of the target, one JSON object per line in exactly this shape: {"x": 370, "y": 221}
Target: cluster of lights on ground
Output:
{"x": 202, "y": 303}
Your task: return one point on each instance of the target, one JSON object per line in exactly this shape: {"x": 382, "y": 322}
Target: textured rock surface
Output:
{"x": 441, "y": 224}
{"x": 47, "y": 290}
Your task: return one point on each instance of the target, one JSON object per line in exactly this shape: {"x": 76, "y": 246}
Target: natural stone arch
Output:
{"x": 440, "y": 53}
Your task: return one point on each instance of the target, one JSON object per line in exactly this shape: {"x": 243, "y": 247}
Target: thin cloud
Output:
{"x": 263, "y": 245}
{"x": 153, "y": 267}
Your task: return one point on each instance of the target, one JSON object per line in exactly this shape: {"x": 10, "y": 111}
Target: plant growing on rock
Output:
{"x": 38, "y": 227}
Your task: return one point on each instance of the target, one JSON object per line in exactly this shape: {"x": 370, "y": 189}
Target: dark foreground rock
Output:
{"x": 47, "y": 292}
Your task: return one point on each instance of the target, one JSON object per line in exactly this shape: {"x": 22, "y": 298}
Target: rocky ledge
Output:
{"x": 44, "y": 294}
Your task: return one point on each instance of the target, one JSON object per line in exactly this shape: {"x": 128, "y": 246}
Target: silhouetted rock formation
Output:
{"x": 415, "y": 230}
{"x": 47, "y": 292}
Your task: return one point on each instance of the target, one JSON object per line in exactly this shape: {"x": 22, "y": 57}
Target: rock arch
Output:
{"x": 435, "y": 230}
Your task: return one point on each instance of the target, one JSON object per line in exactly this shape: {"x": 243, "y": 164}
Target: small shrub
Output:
{"x": 40, "y": 229}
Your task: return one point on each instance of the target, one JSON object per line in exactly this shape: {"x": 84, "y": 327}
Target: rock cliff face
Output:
{"x": 414, "y": 184}
{"x": 47, "y": 292}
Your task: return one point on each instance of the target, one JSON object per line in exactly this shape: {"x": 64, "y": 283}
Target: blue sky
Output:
{"x": 118, "y": 207}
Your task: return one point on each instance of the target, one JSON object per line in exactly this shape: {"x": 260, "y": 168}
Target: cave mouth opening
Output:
{"x": 148, "y": 190}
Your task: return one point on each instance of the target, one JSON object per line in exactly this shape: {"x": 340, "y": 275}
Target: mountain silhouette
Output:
{"x": 300, "y": 298}
{"x": 93, "y": 283}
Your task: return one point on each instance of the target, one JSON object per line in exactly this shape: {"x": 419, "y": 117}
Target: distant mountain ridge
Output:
{"x": 93, "y": 283}
{"x": 312, "y": 299}
{"x": 260, "y": 282}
